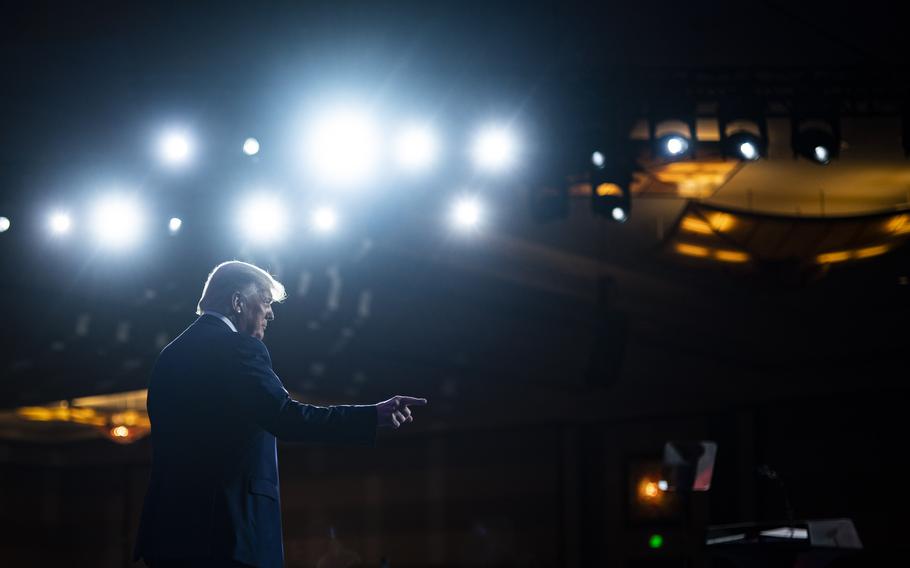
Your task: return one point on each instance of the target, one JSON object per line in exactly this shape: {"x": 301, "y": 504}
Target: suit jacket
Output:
{"x": 216, "y": 408}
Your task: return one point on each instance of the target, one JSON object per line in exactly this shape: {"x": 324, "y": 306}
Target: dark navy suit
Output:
{"x": 216, "y": 408}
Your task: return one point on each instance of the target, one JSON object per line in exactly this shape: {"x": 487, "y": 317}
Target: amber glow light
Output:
{"x": 695, "y": 225}
{"x": 871, "y": 251}
{"x": 695, "y": 179}
{"x": 898, "y": 225}
{"x": 692, "y": 250}
{"x": 731, "y": 256}
{"x": 61, "y": 413}
{"x": 649, "y": 491}
{"x": 606, "y": 189}
{"x": 721, "y": 222}
{"x": 120, "y": 417}
{"x": 832, "y": 257}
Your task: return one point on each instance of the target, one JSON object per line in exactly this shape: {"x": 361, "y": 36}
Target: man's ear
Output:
{"x": 236, "y": 302}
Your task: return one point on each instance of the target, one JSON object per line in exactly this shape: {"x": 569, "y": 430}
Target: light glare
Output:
{"x": 676, "y": 145}
{"x": 4, "y": 224}
{"x": 262, "y": 218}
{"x": 251, "y": 146}
{"x": 117, "y": 221}
{"x": 324, "y": 219}
{"x": 822, "y": 154}
{"x": 466, "y": 213}
{"x": 174, "y": 225}
{"x": 175, "y": 148}
{"x": 619, "y": 214}
{"x": 60, "y": 223}
{"x": 748, "y": 150}
{"x": 495, "y": 149}
{"x": 598, "y": 159}
{"x": 416, "y": 148}
{"x": 343, "y": 148}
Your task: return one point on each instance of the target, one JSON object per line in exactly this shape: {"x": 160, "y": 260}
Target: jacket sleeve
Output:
{"x": 257, "y": 393}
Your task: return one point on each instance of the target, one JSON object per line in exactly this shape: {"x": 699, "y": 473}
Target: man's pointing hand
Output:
{"x": 395, "y": 412}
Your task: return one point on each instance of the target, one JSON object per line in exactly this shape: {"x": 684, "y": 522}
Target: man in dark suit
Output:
{"x": 216, "y": 409}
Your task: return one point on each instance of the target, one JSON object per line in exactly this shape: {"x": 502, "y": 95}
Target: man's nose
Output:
{"x": 269, "y": 314}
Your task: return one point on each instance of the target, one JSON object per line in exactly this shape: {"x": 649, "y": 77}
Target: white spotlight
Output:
{"x": 748, "y": 151}
{"x": 262, "y": 218}
{"x": 117, "y": 221}
{"x": 495, "y": 149}
{"x": 251, "y": 146}
{"x": 416, "y": 148}
{"x": 619, "y": 214}
{"x": 676, "y": 145}
{"x": 324, "y": 219}
{"x": 4, "y": 224}
{"x": 466, "y": 213}
{"x": 822, "y": 155}
{"x": 343, "y": 148}
{"x": 175, "y": 148}
{"x": 174, "y": 225}
{"x": 60, "y": 223}
{"x": 598, "y": 159}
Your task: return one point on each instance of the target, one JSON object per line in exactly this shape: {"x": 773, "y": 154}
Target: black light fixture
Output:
{"x": 743, "y": 129}
{"x": 676, "y": 121}
{"x": 816, "y": 137}
{"x": 611, "y": 191}
{"x": 744, "y": 146}
{"x": 674, "y": 146}
{"x": 816, "y": 145}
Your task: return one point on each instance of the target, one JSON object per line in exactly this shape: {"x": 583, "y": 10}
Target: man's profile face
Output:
{"x": 256, "y": 312}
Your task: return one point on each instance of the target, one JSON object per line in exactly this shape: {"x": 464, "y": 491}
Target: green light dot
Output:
{"x": 656, "y": 541}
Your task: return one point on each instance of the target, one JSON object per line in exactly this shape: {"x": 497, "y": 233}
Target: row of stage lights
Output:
{"x": 344, "y": 148}
{"x": 816, "y": 145}
{"x": 611, "y": 179}
{"x": 117, "y": 222}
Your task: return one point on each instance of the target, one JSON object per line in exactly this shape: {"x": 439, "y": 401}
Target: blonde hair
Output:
{"x": 236, "y": 276}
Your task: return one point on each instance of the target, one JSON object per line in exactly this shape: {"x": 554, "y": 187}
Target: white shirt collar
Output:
{"x": 229, "y": 323}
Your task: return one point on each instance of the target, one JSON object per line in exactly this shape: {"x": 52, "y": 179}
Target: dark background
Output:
{"x": 557, "y": 357}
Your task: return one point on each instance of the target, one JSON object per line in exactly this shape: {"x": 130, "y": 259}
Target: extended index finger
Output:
{"x": 411, "y": 401}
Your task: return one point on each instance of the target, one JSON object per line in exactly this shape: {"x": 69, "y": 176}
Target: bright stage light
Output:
{"x": 494, "y": 149}
{"x": 4, "y": 224}
{"x": 342, "y": 148}
{"x": 262, "y": 218}
{"x": 745, "y": 145}
{"x": 325, "y": 220}
{"x": 598, "y": 159}
{"x": 175, "y": 148}
{"x": 174, "y": 225}
{"x": 416, "y": 148}
{"x": 822, "y": 155}
{"x": 676, "y": 146}
{"x": 817, "y": 145}
{"x": 60, "y": 223}
{"x": 466, "y": 213}
{"x": 748, "y": 151}
{"x": 117, "y": 221}
{"x": 251, "y": 146}
{"x": 619, "y": 214}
